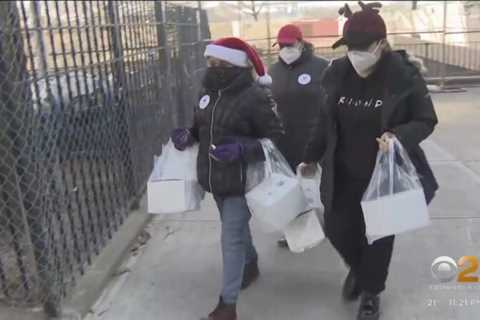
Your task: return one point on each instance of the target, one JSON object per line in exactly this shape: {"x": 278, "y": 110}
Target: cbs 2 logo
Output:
{"x": 446, "y": 269}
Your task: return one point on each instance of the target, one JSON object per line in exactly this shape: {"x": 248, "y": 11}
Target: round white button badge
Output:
{"x": 204, "y": 102}
{"x": 304, "y": 79}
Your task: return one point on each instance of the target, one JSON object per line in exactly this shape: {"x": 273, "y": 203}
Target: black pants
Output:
{"x": 345, "y": 227}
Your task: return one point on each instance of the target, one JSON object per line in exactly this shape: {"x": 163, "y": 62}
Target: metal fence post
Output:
{"x": 269, "y": 34}
{"x": 25, "y": 198}
{"x": 164, "y": 52}
{"x": 40, "y": 55}
{"x": 199, "y": 21}
{"x": 165, "y": 60}
{"x": 122, "y": 99}
{"x": 179, "y": 58}
{"x": 444, "y": 49}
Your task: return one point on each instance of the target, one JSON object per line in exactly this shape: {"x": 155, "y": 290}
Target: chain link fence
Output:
{"x": 89, "y": 91}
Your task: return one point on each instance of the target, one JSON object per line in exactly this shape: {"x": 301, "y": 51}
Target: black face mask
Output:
{"x": 218, "y": 78}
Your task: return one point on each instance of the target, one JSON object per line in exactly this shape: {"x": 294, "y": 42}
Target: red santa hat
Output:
{"x": 238, "y": 53}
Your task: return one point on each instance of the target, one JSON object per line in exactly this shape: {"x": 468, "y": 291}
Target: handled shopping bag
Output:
{"x": 394, "y": 201}
{"x": 311, "y": 189}
{"x": 173, "y": 186}
{"x": 274, "y": 197}
{"x": 305, "y": 232}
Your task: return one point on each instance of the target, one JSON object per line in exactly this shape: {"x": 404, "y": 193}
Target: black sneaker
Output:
{"x": 282, "y": 243}
{"x": 369, "y": 307}
{"x": 351, "y": 291}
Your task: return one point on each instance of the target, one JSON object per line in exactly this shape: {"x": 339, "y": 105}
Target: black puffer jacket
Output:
{"x": 295, "y": 90}
{"x": 243, "y": 110}
{"x": 407, "y": 112}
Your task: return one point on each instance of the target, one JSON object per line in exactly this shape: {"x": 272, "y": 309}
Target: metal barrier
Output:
{"x": 460, "y": 60}
{"x": 89, "y": 91}
{"x": 452, "y": 61}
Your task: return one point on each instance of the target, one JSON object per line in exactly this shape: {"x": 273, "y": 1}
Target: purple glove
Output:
{"x": 227, "y": 152}
{"x": 238, "y": 148}
{"x": 182, "y": 138}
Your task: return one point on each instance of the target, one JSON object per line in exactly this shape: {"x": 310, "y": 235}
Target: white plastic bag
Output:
{"x": 275, "y": 197}
{"x": 305, "y": 232}
{"x": 394, "y": 201}
{"x": 311, "y": 189}
{"x": 175, "y": 164}
{"x": 173, "y": 186}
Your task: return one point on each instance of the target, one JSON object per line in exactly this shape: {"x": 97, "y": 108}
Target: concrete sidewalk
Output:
{"x": 178, "y": 275}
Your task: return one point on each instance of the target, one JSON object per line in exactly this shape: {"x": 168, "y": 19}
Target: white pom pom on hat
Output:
{"x": 239, "y": 53}
{"x": 265, "y": 80}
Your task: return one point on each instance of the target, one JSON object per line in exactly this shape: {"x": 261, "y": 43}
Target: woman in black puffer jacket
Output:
{"x": 233, "y": 112}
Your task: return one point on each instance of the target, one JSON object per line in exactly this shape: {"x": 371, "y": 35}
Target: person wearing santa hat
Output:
{"x": 296, "y": 78}
{"x": 372, "y": 94}
{"x": 233, "y": 112}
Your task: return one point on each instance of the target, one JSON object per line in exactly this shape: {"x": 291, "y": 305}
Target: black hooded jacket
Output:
{"x": 295, "y": 90}
{"x": 407, "y": 112}
{"x": 244, "y": 111}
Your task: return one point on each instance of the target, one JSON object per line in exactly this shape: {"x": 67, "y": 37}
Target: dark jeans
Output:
{"x": 345, "y": 227}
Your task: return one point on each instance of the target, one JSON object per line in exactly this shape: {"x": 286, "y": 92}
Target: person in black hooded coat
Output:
{"x": 370, "y": 96}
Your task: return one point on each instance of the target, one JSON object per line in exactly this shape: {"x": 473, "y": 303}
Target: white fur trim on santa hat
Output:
{"x": 265, "y": 80}
{"x": 236, "y": 57}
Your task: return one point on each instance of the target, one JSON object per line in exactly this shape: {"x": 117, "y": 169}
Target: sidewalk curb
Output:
{"x": 97, "y": 277}
{"x": 12, "y": 313}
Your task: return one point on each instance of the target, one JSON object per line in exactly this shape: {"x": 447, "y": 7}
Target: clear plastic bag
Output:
{"x": 255, "y": 175}
{"x": 394, "y": 201}
{"x": 274, "y": 162}
{"x": 274, "y": 194}
{"x": 394, "y": 172}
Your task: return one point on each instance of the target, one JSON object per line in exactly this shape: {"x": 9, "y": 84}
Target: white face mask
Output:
{"x": 364, "y": 61}
{"x": 290, "y": 54}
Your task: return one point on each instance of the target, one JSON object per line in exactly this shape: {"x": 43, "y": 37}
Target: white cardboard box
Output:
{"x": 395, "y": 214}
{"x": 277, "y": 201}
{"x": 173, "y": 196}
{"x": 172, "y": 186}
